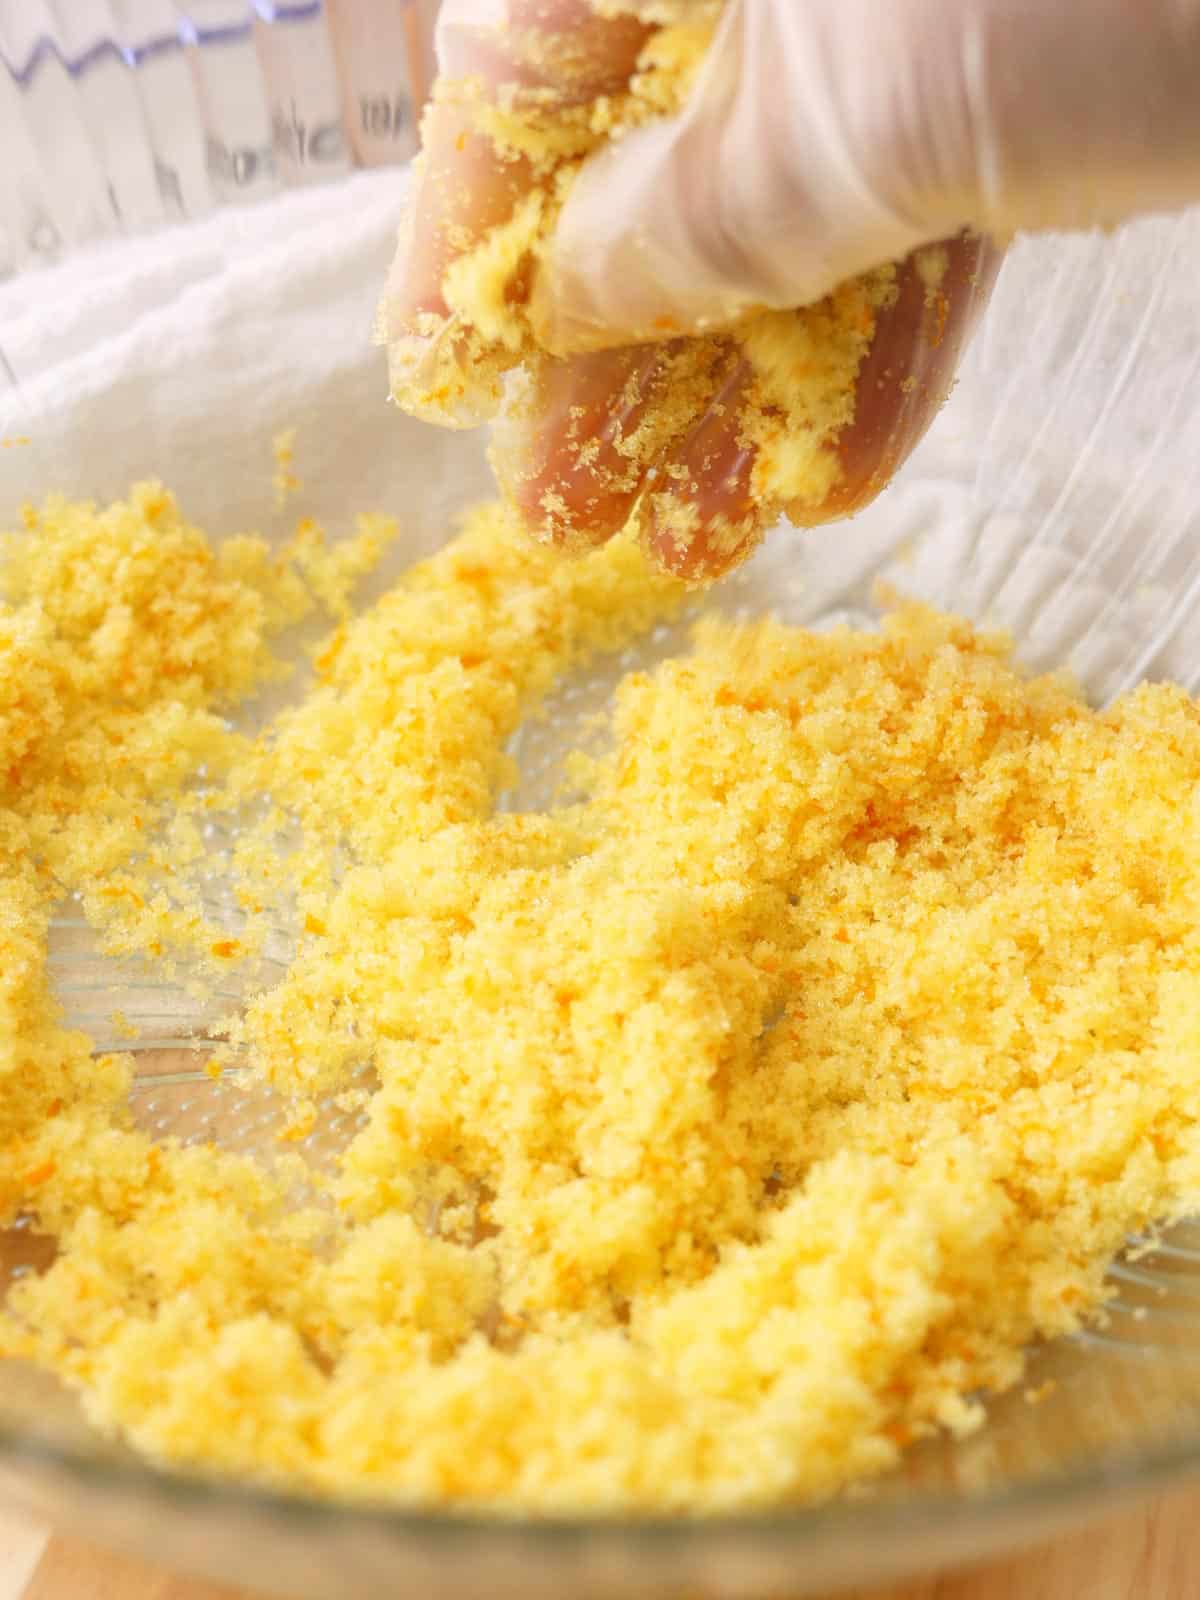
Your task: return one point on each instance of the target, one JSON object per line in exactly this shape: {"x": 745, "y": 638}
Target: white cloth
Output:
{"x": 1058, "y": 493}
{"x": 182, "y": 354}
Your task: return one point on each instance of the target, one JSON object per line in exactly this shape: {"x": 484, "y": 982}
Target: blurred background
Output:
{"x": 121, "y": 116}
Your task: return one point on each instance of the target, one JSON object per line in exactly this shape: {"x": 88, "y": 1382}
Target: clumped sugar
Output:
{"x": 730, "y": 1123}
{"x": 494, "y": 342}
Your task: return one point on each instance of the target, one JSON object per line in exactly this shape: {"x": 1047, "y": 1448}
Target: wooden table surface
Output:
{"x": 1149, "y": 1554}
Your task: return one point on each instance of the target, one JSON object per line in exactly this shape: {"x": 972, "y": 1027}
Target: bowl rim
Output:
{"x": 1110, "y": 1476}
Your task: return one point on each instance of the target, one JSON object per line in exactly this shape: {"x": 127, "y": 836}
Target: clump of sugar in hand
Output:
{"x": 472, "y": 334}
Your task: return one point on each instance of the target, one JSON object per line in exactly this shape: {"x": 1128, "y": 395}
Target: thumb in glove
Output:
{"x": 825, "y": 138}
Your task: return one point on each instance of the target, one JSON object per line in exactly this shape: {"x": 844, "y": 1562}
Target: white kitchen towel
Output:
{"x": 182, "y": 354}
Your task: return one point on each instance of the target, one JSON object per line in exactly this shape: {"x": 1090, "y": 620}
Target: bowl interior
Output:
{"x": 1058, "y": 494}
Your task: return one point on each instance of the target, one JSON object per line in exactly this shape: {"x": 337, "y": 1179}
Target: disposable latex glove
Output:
{"x": 824, "y": 137}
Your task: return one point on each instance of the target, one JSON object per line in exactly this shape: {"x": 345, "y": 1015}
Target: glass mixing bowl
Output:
{"x": 1058, "y": 494}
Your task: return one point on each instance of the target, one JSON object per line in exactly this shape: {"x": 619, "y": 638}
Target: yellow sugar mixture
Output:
{"x": 724, "y": 1127}
{"x": 794, "y": 371}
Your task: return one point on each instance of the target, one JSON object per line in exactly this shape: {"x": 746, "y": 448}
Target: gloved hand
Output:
{"x": 822, "y": 139}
